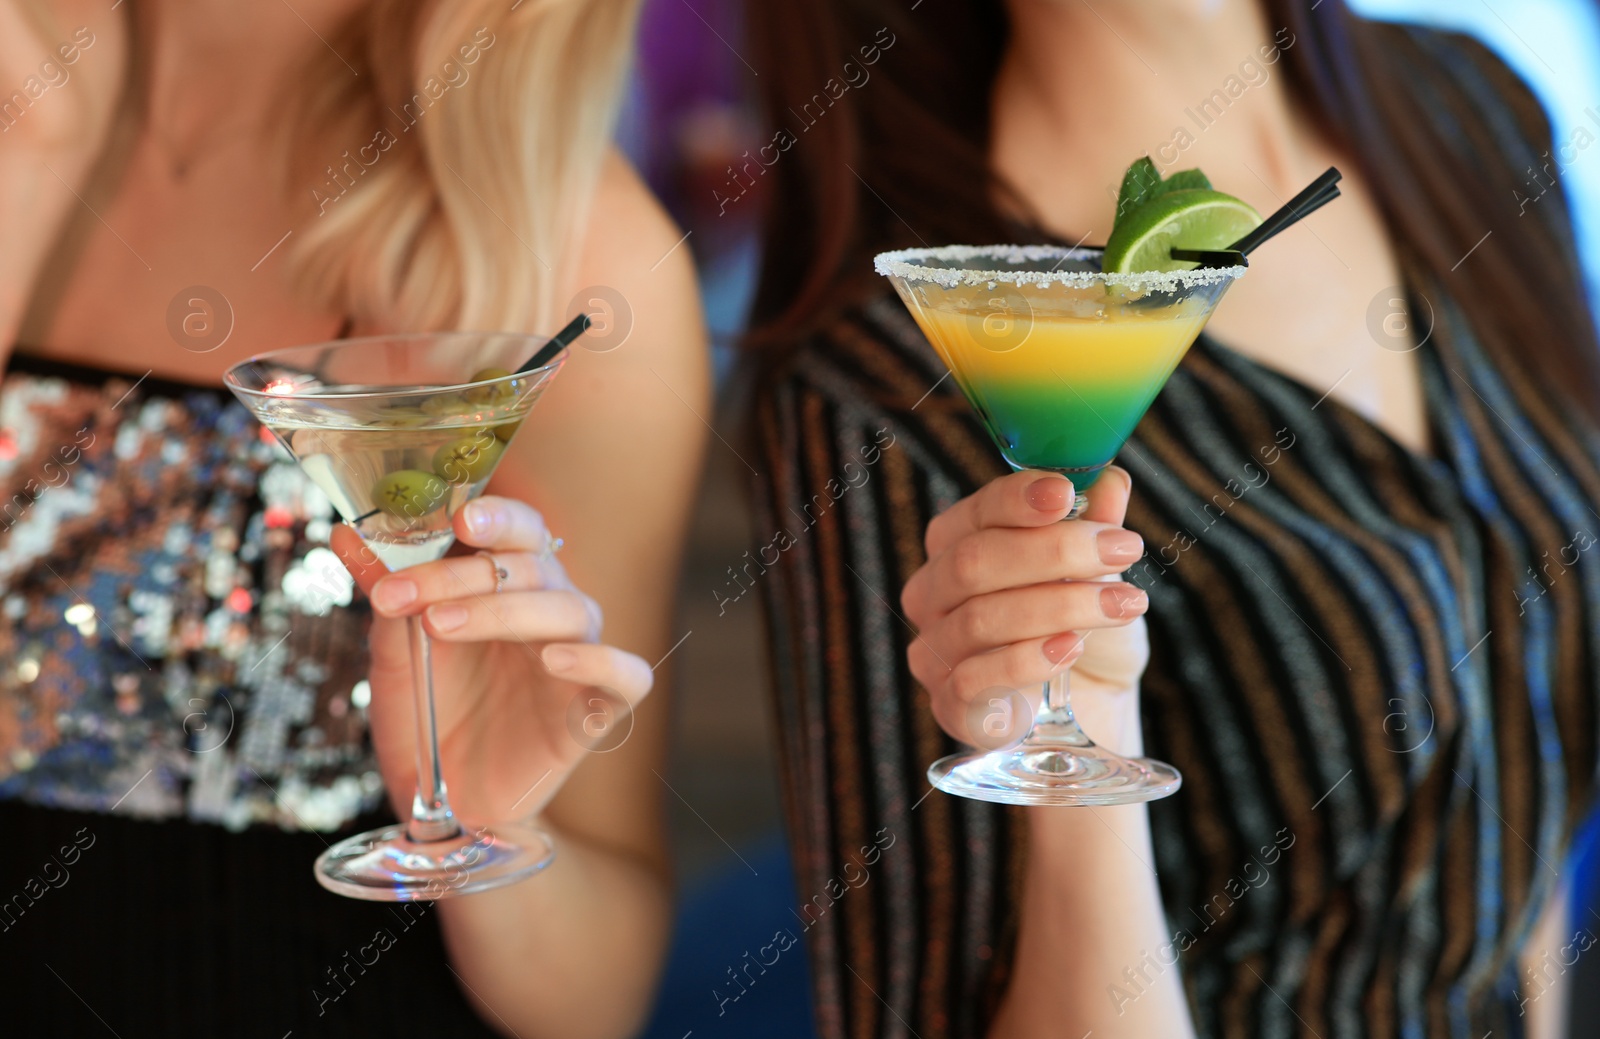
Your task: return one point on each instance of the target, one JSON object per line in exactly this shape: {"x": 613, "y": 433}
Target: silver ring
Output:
{"x": 501, "y": 574}
{"x": 552, "y": 545}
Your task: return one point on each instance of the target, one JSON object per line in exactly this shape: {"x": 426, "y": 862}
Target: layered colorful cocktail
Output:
{"x": 1060, "y": 360}
{"x": 1065, "y": 390}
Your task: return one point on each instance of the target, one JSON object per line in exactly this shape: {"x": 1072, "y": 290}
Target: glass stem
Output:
{"x": 1055, "y": 723}
{"x": 431, "y": 817}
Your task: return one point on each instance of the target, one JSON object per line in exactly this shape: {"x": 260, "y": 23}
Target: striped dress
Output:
{"x": 1376, "y": 671}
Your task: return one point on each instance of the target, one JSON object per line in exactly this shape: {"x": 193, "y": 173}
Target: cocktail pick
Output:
{"x": 558, "y": 342}
{"x": 1316, "y": 195}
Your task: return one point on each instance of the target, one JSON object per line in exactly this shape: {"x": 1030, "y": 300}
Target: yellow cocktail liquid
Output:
{"x": 1063, "y": 392}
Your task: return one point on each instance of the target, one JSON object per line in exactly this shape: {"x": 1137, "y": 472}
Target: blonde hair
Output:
{"x": 486, "y": 130}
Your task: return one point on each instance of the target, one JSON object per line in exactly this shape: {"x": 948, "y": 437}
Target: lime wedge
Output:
{"x": 1192, "y": 218}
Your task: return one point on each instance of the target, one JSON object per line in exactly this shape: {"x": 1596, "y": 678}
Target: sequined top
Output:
{"x": 179, "y": 640}
{"x": 181, "y": 716}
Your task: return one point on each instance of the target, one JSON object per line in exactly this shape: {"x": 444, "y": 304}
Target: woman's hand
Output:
{"x": 520, "y": 676}
{"x": 1009, "y": 596}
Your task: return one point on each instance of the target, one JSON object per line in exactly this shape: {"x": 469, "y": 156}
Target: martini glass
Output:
{"x": 400, "y": 432}
{"x": 1060, "y": 361}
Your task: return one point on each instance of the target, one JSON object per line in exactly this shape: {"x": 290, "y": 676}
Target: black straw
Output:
{"x": 1318, "y": 194}
{"x": 558, "y": 342}
{"x": 1212, "y": 257}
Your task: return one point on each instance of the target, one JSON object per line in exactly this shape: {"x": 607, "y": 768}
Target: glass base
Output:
{"x": 1050, "y": 773}
{"x": 387, "y": 866}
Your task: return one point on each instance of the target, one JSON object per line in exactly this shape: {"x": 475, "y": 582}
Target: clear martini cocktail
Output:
{"x": 400, "y": 432}
{"x": 1060, "y": 361}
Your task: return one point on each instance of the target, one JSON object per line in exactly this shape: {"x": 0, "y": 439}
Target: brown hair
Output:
{"x": 1416, "y": 111}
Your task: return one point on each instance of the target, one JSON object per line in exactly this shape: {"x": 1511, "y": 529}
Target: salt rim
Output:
{"x": 902, "y": 263}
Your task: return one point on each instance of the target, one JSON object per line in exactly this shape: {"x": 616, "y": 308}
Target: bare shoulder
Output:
{"x": 629, "y": 398}
{"x": 632, "y": 246}
{"x": 625, "y": 210}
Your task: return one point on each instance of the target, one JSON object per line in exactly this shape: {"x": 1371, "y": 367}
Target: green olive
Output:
{"x": 499, "y": 393}
{"x": 469, "y": 459}
{"x": 506, "y": 430}
{"x": 445, "y": 404}
{"x": 409, "y": 493}
{"x": 392, "y": 415}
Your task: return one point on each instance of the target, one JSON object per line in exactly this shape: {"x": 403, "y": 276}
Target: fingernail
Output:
{"x": 1123, "y": 600}
{"x": 394, "y": 593}
{"x": 1063, "y": 648}
{"x": 1051, "y": 494}
{"x": 478, "y": 518}
{"x": 558, "y": 659}
{"x": 1118, "y": 546}
{"x": 447, "y": 616}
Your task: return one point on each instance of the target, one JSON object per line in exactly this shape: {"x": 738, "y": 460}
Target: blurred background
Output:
{"x": 691, "y": 116}
{"x": 1555, "y": 46}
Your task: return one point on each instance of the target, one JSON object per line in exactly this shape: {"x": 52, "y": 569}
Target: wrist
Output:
{"x": 1066, "y": 843}
{"x": 1109, "y": 717}
{"x": 1091, "y": 908}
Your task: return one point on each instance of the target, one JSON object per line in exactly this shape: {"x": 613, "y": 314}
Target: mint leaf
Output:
{"x": 1141, "y": 183}
{"x": 1184, "y": 180}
